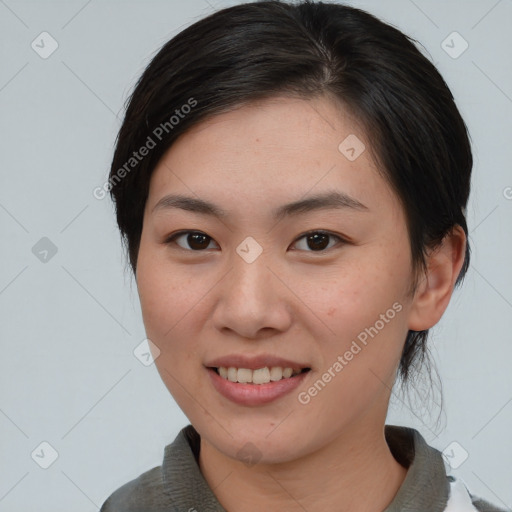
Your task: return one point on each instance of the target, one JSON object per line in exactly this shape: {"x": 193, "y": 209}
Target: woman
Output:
{"x": 291, "y": 184}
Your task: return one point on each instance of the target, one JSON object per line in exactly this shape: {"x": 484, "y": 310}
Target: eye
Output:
{"x": 318, "y": 241}
{"x": 196, "y": 240}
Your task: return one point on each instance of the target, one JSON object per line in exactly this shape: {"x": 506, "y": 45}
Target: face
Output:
{"x": 322, "y": 287}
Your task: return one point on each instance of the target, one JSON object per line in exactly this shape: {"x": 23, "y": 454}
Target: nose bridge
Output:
{"x": 250, "y": 297}
{"x": 250, "y": 276}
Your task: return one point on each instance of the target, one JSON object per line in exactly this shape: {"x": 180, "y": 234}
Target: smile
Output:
{"x": 258, "y": 376}
{"x": 261, "y": 386}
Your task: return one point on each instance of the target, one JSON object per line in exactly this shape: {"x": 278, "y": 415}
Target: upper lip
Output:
{"x": 254, "y": 362}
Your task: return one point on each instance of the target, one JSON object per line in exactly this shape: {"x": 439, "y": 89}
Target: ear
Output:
{"x": 435, "y": 288}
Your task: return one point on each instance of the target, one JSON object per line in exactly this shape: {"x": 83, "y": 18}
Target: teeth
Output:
{"x": 244, "y": 375}
{"x": 276, "y": 373}
{"x": 232, "y": 374}
{"x": 259, "y": 376}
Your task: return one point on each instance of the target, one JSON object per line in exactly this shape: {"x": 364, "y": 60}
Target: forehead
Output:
{"x": 281, "y": 122}
{"x": 272, "y": 151}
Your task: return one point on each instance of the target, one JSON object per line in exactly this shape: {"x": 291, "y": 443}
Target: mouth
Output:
{"x": 259, "y": 376}
{"x": 256, "y": 387}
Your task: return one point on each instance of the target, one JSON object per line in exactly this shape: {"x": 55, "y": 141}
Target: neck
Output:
{"x": 356, "y": 471}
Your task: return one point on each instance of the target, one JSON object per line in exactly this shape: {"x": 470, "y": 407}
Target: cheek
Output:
{"x": 167, "y": 298}
{"x": 365, "y": 308}
{"x": 358, "y": 361}
{"x": 353, "y": 295}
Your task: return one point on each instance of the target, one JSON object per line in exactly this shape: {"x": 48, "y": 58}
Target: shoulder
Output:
{"x": 171, "y": 486}
{"x": 461, "y": 499}
{"x": 427, "y": 486}
{"x": 140, "y": 494}
{"x": 484, "y": 506}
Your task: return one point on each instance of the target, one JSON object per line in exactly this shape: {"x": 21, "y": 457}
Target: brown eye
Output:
{"x": 194, "y": 240}
{"x": 318, "y": 241}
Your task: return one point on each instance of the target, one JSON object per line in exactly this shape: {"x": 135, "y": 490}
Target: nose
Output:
{"x": 253, "y": 301}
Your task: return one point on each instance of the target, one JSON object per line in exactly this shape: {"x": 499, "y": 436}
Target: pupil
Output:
{"x": 197, "y": 241}
{"x": 319, "y": 240}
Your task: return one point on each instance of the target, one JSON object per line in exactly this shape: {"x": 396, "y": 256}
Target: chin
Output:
{"x": 252, "y": 446}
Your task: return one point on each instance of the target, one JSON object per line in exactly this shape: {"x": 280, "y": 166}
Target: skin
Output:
{"x": 292, "y": 301}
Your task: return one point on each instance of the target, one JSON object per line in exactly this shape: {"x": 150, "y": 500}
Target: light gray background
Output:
{"x": 68, "y": 375}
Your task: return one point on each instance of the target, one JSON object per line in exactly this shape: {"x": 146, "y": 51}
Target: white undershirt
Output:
{"x": 459, "y": 500}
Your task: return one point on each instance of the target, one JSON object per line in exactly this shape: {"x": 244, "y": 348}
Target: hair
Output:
{"x": 260, "y": 50}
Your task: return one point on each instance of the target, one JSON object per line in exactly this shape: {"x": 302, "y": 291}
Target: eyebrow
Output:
{"x": 327, "y": 200}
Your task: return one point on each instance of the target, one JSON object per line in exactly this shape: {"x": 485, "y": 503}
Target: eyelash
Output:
{"x": 172, "y": 239}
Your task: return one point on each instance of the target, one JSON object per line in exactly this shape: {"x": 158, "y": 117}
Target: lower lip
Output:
{"x": 254, "y": 394}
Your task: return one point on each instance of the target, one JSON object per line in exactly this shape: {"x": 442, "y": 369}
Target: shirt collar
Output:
{"x": 425, "y": 487}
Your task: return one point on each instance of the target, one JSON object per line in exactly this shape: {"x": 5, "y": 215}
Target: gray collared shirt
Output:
{"x": 179, "y": 486}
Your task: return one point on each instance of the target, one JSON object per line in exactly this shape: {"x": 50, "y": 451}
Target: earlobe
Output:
{"x": 436, "y": 286}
